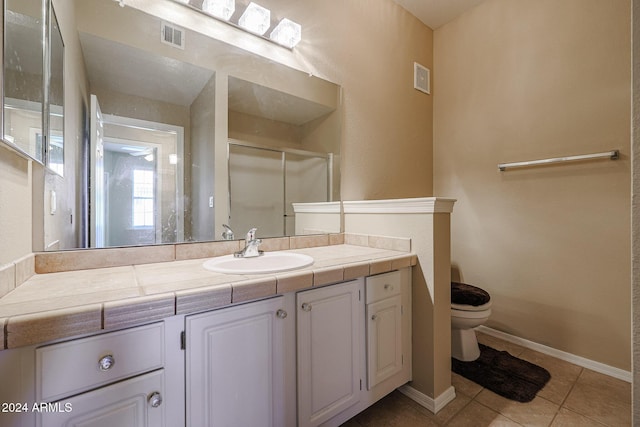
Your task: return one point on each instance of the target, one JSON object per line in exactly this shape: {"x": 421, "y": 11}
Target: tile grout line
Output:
{"x": 561, "y": 405}
{"x": 582, "y": 370}
{"x": 461, "y": 409}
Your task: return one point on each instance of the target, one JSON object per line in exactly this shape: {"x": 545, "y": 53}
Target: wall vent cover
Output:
{"x": 172, "y": 35}
{"x": 421, "y": 78}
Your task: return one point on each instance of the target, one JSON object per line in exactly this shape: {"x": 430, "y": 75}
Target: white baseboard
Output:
{"x": 559, "y": 354}
{"x": 434, "y": 405}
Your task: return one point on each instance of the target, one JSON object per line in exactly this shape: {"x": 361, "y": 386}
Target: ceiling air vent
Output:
{"x": 172, "y": 35}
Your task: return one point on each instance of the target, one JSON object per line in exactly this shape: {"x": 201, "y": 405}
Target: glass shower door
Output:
{"x": 256, "y": 191}
{"x": 264, "y": 182}
{"x": 306, "y": 181}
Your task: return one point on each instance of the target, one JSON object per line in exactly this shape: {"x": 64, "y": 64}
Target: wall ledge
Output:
{"x": 408, "y": 206}
{"x": 319, "y": 207}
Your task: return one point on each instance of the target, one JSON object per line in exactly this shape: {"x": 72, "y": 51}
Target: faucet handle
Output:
{"x": 227, "y": 234}
{"x": 251, "y": 234}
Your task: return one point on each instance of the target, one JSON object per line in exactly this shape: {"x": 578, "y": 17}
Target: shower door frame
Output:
{"x": 283, "y": 150}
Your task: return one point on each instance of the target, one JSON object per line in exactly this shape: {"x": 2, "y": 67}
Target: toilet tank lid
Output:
{"x": 464, "y": 294}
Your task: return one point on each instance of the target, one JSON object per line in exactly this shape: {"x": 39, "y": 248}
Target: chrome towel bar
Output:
{"x": 613, "y": 155}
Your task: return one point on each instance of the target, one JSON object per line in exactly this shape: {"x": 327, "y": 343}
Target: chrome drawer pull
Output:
{"x": 155, "y": 399}
{"x": 306, "y": 307}
{"x": 106, "y": 362}
{"x": 281, "y": 314}
{"x": 388, "y": 287}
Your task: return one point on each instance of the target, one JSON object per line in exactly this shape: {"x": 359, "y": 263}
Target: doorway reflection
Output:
{"x": 142, "y": 197}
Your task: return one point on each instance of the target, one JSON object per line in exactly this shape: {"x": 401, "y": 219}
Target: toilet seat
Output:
{"x": 465, "y": 307}
{"x": 469, "y": 315}
{"x": 466, "y": 297}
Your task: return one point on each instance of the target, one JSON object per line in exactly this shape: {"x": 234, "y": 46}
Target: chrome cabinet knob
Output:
{"x": 106, "y": 362}
{"x": 281, "y": 314}
{"x": 374, "y": 317}
{"x": 388, "y": 287}
{"x": 306, "y": 306}
{"x": 155, "y": 399}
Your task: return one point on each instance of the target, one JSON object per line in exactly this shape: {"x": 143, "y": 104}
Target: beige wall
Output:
{"x": 520, "y": 80}
{"x": 15, "y": 206}
{"x": 369, "y": 47}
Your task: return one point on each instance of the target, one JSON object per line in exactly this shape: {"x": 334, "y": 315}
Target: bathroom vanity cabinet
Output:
{"x": 316, "y": 357}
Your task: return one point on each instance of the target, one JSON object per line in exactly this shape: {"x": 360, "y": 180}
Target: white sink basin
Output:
{"x": 269, "y": 262}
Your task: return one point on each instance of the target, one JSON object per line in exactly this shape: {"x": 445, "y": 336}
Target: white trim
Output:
{"x": 319, "y": 207}
{"x": 559, "y": 354}
{"x": 433, "y": 405}
{"x": 416, "y": 205}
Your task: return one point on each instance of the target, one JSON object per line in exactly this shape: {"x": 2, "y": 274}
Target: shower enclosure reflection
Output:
{"x": 265, "y": 181}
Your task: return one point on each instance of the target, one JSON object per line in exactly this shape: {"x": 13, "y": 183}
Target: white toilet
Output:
{"x": 470, "y": 307}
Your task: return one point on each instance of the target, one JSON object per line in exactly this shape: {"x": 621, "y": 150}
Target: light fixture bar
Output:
{"x": 255, "y": 19}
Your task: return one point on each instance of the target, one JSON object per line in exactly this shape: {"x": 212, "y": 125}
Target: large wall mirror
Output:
{"x": 33, "y": 86}
{"x": 178, "y": 133}
{"x": 23, "y": 76}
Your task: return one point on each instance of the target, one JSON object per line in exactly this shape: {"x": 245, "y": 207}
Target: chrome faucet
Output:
{"x": 250, "y": 246}
{"x": 227, "y": 234}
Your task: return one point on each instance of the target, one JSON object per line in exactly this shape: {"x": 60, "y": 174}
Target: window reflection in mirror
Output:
{"x": 55, "y": 159}
{"x": 23, "y": 76}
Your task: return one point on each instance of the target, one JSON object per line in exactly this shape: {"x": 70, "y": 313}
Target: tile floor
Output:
{"x": 574, "y": 396}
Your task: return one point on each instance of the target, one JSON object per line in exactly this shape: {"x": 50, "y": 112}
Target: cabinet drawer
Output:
{"x": 72, "y": 367}
{"x": 383, "y": 286}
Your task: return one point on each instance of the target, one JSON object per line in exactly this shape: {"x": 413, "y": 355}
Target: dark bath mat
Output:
{"x": 503, "y": 374}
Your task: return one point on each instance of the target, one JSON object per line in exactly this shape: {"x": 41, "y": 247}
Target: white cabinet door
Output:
{"x": 136, "y": 402}
{"x": 384, "y": 339}
{"x": 329, "y": 357}
{"x": 234, "y": 365}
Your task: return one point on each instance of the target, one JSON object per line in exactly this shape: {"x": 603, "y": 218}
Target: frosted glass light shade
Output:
{"x": 222, "y": 9}
{"x": 287, "y": 33}
{"x": 255, "y": 19}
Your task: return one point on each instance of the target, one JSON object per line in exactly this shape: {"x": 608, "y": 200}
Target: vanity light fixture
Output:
{"x": 287, "y": 33}
{"x": 255, "y": 19}
{"x": 222, "y": 9}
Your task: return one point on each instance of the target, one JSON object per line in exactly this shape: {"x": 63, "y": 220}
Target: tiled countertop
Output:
{"x": 63, "y": 304}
